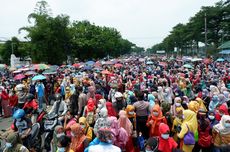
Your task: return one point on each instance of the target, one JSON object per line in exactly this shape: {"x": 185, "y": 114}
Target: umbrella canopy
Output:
{"x": 2, "y": 66}
{"x": 17, "y": 71}
{"x": 106, "y": 72}
{"x": 90, "y": 63}
{"x": 76, "y": 65}
{"x": 30, "y": 73}
{"x": 108, "y": 63}
{"x": 188, "y": 66}
{"x": 118, "y": 65}
{"x": 220, "y": 60}
{"x": 196, "y": 59}
{"x": 38, "y": 77}
{"x": 40, "y": 66}
{"x": 149, "y": 62}
{"x": 225, "y": 45}
{"x": 19, "y": 77}
{"x": 87, "y": 68}
{"x": 55, "y": 67}
{"x": 164, "y": 64}
{"x": 49, "y": 71}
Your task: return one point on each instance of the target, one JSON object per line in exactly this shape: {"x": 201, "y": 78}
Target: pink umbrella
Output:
{"x": 118, "y": 65}
{"x": 19, "y": 77}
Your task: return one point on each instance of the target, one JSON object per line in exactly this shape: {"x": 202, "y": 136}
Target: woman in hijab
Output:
{"x": 101, "y": 104}
{"x": 201, "y": 104}
{"x": 131, "y": 116}
{"x": 212, "y": 119}
{"x": 151, "y": 100}
{"x": 205, "y": 97}
{"x": 78, "y": 141}
{"x": 222, "y": 98}
{"x": 119, "y": 133}
{"x": 102, "y": 121}
{"x": 214, "y": 102}
{"x": 5, "y": 102}
{"x": 204, "y": 130}
{"x": 69, "y": 121}
{"x": 125, "y": 123}
{"x": 87, "y": 129}
{"x": 13, "y": 144}
{"x": 220, "y": 111}
{"x": 213, "y": 90}
{"x": 89, "y": 112}
{"x": 154, "y": 121}
{"x": 166, "y": 143}
{"x": 221, "y": 133}
{"x": 58, "y": 132}
{"x": 177, "y": 122}
{"x": 111, "y": 111}
{"x": 189, "y": 124}
{"x": 193, "y": 106}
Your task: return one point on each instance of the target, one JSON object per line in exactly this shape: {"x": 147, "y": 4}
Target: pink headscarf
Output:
{"x": 124, "y": 122}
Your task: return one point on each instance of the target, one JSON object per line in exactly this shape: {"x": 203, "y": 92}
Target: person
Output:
{"x": 40, "y": 90}
{"x": 214, "y": 102}
{"x": 13, "y": 143}
{"x": 70, "y": 119}
{"x": 212, "y": 119}
{"x": 82, "y": 101}
{"x": 59, "y": 107}
{"x": 13, "y": 100}
{"x": 166, "y": 143}
{"x": 5, "y": 102}
{"x": 119, "y": 103}
{"x": 111, "y": 110}
{"x": 142, "y": 109}
{"x": 151, "y": 145}
{"x": 221, "y": 133}
{"x": 105, "y": 142}
{"x": 58, "y": 132}
{"x": 176, "y": 127}
{"x": 78, "y": 141}
{"x": 63, "y": 144}
{"x": 23, "y": 125}
{"x": 31, "y": 106}
{"x": 103, "y": 121}
{"x": 154, "y": 121}
{"x": 87, "y": 129}
{"x": 89, "y": 112}
{"x": 189, "y": 124}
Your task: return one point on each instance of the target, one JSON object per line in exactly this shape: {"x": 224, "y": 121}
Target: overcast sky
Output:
{"x": 143, "y": 22}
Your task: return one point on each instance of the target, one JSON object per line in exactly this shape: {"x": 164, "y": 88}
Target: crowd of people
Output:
{"x": 131, "y": 107}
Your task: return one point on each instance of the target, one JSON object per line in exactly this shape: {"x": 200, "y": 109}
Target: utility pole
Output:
{"x": 205, "y": 28}
{"x": 12, "y": 48}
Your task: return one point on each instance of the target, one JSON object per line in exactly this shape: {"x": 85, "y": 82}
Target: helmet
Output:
{"x": 29, "y": 97}
{"x": 57, "y": 96}
{"x": 19, "y": 114}
{"x": 118, "y": 95}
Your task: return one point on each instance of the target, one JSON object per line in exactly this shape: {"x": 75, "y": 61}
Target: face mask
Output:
{"x": 165, "y": 136}
{"x": 72, "y": 134}
{"x": 83, "y": 126}
{"x": 148, "y": 151}
{"x": 131, "y": 112}
{"x": 155, "y": 113}
{"x": 178, "y": 104}
{"x": 8, "y": 145}
{"x": 227, "y": 125}
{"x": 61, "y": 149}
{"x": 211, "y": 117}
{"x": 109, "y": 141}
{"x": 59, "y": 135}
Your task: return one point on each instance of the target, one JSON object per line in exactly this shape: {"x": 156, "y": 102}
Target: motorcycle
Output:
{"x": 35, "y": 138}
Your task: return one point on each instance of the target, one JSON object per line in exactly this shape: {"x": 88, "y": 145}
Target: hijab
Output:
{"x": 190, "y": 120}
{"x": 111, "y": 111}
{"x": 78, "y": 138}
{"x": 128, "y": 109}
{"x": 125, "y": 122}
{"x": 194, "y": 106}
{"x": 220, "y": 127}
{"x": 151, "y": 100}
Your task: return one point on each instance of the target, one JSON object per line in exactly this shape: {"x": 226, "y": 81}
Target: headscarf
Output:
{"x": 190, "y": 120}
{"x": 57, "y": 129}
{"x": 13, "y": 138}
{"x": 222, "y": 98}
{"x": 168, "y": 95}
{"x": 151, "y": 100}
{"x": 160, "y": 94}
{"x": 220, "y": 127}
{"x": 205, "y": 93}
{"x": 78, "y": 138}
{"x": 111, "y": 111}
{"x": 213, "y": 121}
{"x": 165, "y": 145}
{"x": 104, "y": 134}
{"x": 124, "y": 122}
{"x": 128, "y": 109}
{"x": 90, "y": 105}
{"x": 214, "y": 102}
{"x": 83, "y": 120}
{"x": 194, "y": 106}
{"x": 226, "y": 94}
{"x": 201, "y": 104}
{"x": 214, "y": 90}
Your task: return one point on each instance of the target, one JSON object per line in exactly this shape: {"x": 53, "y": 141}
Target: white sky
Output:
{"x": 143, "y": 22}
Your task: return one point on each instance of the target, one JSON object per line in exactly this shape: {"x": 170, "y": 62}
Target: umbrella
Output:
{"x": 118, "y": 65}
{"x": 90, "y": 63}
{"x": 3, "y": 66}
{"x": 106, "y": 72}
{"x": 149, "y": 62}
{"x": 55, "y": 67}
{"x": 76, "y": 65}
{"x": 17, "y": 71}
{"x": 207, "y": 61}
{"x": 108, "y": 63}
{"x": 196, "y": 59}
{"x": 220, "y": 60}
{"x": 23, "y": 69}
{"x": 188, "y": 66}
{"x": 49, "y": 71}
{"x": 40, "y": 66}
{"x": 30, "y": 73}
{"x": 38, "y": 77}
{"x": 19, "y": 77}
{"x": 163, "y": 64}
{"x": 87, "y": 68}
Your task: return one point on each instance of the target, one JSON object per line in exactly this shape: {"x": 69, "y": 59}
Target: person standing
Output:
{"x": 142, "y": 110}
{"x": 40, "y": 90}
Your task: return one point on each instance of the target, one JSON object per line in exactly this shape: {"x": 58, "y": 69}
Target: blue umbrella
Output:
{"x": 90, "y": 63}
{"x": 220, "y": 60}
{"x": 87, "y": 68}
{"x": 38, "y": 77}
{"x": 149, "y": 62}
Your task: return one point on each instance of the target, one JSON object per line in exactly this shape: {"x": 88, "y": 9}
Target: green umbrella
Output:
{"x": 188, "y": 66}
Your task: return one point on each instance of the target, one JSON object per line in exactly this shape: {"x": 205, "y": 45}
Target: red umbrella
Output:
{"x": 118, "y": 65}
{"x": 76, "y": 65}
{"x": 19, "y": 77}
{"x": 106, "y": 72}
{"x": 207, "y": 61}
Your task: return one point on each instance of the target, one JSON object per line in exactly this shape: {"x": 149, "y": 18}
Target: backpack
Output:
{"x": 90, "y": 117}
